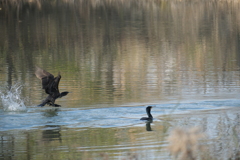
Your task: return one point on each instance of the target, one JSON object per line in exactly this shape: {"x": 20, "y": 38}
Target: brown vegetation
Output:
{"x": 184, "y": 143}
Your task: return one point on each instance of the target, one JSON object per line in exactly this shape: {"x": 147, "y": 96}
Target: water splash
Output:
{"x": 11, "y": 99}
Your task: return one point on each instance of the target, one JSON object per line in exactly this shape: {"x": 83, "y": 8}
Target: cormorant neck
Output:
{"x": 148, "y": 110}
{"x": 149, "y": 115}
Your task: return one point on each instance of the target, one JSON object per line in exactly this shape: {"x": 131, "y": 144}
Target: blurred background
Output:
{"x": 116, "y": 57}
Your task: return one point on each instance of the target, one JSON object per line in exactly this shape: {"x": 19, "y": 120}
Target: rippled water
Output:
{"x": 116, "y": 58}
{"x": 115, "y": 132}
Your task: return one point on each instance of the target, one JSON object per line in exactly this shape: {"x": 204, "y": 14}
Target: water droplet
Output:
{"x": 11, "y": 99}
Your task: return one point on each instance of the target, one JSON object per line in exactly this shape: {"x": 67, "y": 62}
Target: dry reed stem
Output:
{"x": 184, "y": 143}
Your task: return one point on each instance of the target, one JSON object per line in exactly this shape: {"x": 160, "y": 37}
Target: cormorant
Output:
{"x": 150, "y": 117}
{"x": 50, "y": 84}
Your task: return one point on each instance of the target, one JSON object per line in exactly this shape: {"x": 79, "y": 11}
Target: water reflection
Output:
{"x": 117, "y": 53}
{"x": 51, "y": 133}
{"x": 220, "y": 131}
{"x": 7, "y": 146}
{"x": 148, "y": 125}
{"x": 51, "y": 112}
{"x": 219, "y": 125}
{"x": 114, "y": 53}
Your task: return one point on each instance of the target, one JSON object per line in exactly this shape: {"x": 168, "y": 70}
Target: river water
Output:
{"x": 116, "y": 58}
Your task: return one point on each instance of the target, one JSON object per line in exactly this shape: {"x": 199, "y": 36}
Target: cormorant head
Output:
{"x": 148, "y": 110}
{"x": 59, "y": 75}
{"x": 63, "y": 94}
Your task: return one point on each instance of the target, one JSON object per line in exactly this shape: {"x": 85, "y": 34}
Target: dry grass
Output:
{"x": 185, "y": 143}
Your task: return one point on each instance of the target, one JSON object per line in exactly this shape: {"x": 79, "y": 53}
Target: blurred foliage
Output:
{"x": 116, "y": 52}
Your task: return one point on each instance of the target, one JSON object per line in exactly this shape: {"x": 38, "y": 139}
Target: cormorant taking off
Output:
{"x": 150, "y": 117}
{"x": 50, "y": 84}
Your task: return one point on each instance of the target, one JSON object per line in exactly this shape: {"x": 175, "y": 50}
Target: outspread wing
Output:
{"x": 54, "y": 86}
{"x": 47, "y": 79}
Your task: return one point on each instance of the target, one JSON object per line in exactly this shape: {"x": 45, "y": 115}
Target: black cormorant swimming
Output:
{"x": 150, "y": 117}
{"x": 50, "y": 84}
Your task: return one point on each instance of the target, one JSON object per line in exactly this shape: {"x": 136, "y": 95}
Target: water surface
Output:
{"x": 116, "y": 58}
